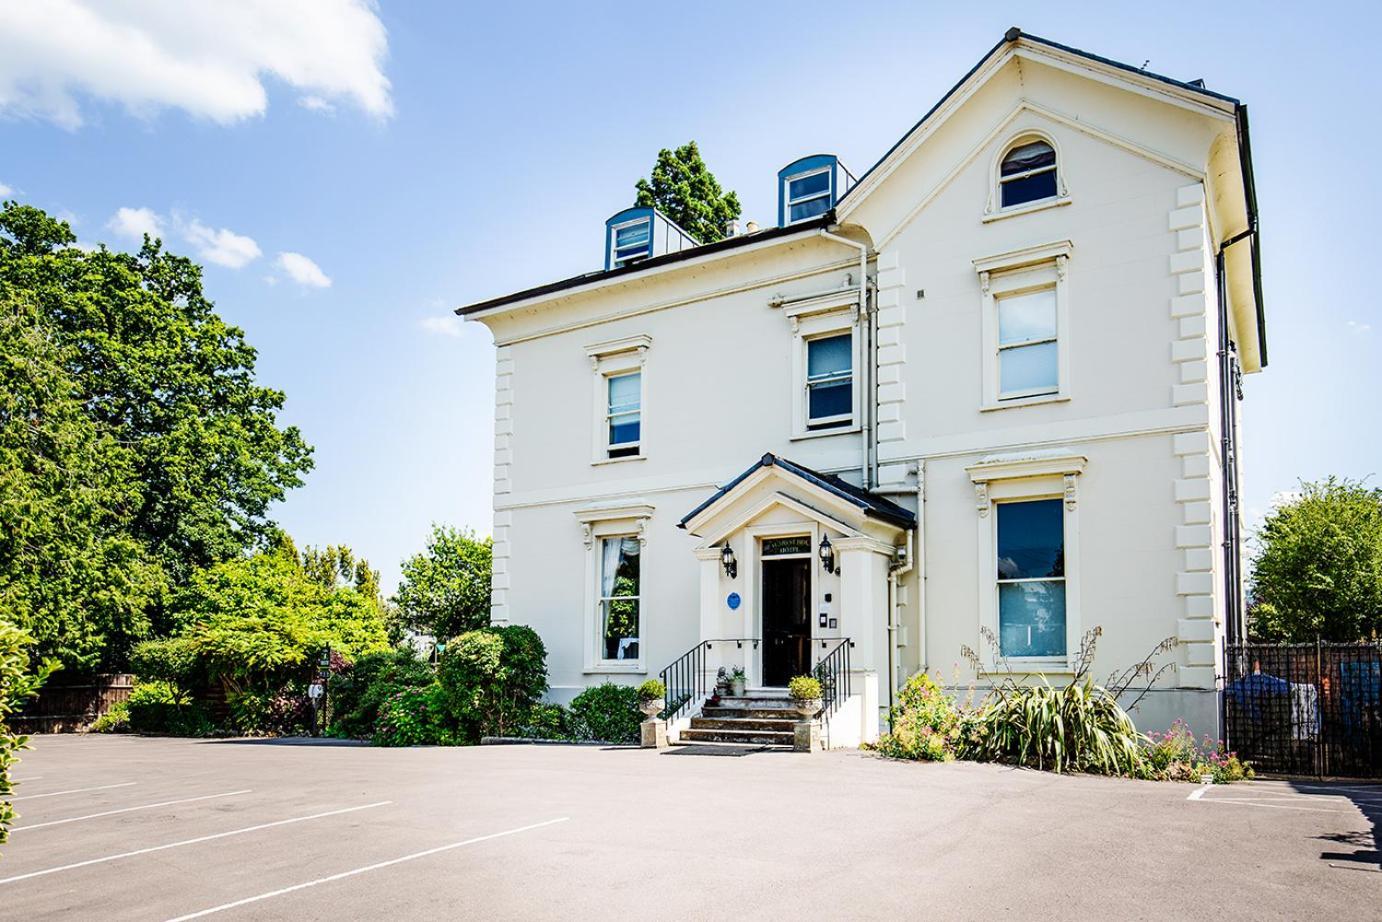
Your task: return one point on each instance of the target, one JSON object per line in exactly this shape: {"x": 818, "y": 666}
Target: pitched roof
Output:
{"x": 871, "y": 504}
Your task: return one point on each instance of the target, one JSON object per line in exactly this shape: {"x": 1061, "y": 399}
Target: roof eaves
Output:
{"x": 705, "y": 249}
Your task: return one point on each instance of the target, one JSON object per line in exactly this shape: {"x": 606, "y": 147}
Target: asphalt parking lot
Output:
{"x": 127, "y": 828}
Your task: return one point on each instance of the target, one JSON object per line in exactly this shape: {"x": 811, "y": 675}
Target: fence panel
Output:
{"x": 1306, "y": 709}
{"x": 67, "y": 704}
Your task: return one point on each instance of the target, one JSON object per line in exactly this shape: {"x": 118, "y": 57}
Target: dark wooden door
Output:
{"x": 786, "y": 620}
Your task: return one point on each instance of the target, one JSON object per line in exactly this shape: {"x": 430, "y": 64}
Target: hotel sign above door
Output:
{"x": 781, "y": 547}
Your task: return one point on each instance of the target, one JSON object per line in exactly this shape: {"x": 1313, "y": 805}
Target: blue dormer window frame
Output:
{"x": 809, "y": 187}
{"x": 630, "y": 240}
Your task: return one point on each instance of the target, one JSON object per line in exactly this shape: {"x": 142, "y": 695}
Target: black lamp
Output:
{"x": 727, "y": 558}
{"x": 827, "y": 554}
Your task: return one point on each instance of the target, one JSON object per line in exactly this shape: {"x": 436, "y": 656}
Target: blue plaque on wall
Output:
{"x": 732, "y": 600}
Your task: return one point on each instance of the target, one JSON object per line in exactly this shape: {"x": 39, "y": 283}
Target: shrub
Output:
{"x": 492, "y": 678}
{"x": 414, "y": 717}
{"x": 115, "y": 720}
{"x": 804, "y": 688}
{"x": 547, "y": 722}
{"x": 19, "y": 681}
{"x": 1173, "y": 756}
{"x": 282, "y": 712}
{"x": 356, "y": 693}
{"x": 651, "y": 690}
{"x": 160, "y": 708}
{"x": 607, "y": 712}
{"x": 1076, "y": 728}
{"x": 926, "y": 723}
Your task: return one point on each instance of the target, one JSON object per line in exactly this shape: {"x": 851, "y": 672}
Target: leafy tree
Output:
{"x": 163, "y": 374}
{"x": 445, "y": 589}
{"x": 1318, "y": 571}
{"x": 19, "y": 681}
{"x": 253, "y": 623}
{"x": 70, "y": 574}
{"x": 684, "y": 189}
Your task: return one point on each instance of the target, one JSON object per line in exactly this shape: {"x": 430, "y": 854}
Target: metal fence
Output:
{"x": 1306, "y": 709}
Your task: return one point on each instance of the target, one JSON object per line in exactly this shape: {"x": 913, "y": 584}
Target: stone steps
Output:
{"x": 743, "y": 737}
{"x": 755, "y": 713}
{"x": 741, "y": 723}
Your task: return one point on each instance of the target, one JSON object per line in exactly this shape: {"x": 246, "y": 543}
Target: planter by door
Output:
{"x": 786, "y": 620}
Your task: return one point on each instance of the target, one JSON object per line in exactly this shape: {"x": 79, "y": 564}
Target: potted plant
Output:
{"x": 652, "y": 698}
{"x": 736, "y": 681}
{"x": 806, "y": 695}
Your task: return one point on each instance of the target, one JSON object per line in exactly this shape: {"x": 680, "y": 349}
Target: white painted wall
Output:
{"x": 718, "y": 392}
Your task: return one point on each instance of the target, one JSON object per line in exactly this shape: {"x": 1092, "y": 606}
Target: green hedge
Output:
{"x": 606, "y": 712}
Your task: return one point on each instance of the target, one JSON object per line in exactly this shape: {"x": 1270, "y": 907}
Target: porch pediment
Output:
{"x": 774, "y": 483}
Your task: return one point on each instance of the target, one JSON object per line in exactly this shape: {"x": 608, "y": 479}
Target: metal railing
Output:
{"x": 691, "y": 676}
{"x": 832, "y": 671}
{"x": 1305, "y": 709}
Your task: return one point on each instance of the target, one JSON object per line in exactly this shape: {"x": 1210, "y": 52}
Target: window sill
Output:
{"x": 1026, "y": 209}
{"x": 626, "y": 668}
{"x": 1036, "y": 665}
{"x": 824, "y": 433}
{"x": 599, "y": 461}
{"x": 1025, "y": 402}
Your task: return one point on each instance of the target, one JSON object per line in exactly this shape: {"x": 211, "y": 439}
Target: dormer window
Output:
{"x": 631, "y": 240}
{"x": 642, "y": 233}
{"x": 809, "y": 187}
{"x": 1027, "y": 173}
{"x": 808, "y": 195}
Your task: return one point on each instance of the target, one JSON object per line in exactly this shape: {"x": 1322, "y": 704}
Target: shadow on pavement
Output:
{"x": 283, "y": 741}
{"x": 1364, "y": 854}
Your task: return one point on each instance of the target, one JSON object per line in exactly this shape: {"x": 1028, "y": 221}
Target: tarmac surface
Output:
{"x": 115, "y": 828}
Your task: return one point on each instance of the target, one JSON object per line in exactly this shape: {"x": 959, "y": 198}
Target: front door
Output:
{"x": 786, "y": 619}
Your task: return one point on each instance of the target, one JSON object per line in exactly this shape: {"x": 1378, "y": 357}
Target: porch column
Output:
{"x": 711, "y": 603}
{"x": 864, "y": 601}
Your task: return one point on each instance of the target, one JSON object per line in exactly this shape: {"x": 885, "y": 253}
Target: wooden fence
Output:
{"x": 68, "y": 704}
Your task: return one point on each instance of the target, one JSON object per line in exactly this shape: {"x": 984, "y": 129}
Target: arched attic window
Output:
{"x": 1027, "y": 173}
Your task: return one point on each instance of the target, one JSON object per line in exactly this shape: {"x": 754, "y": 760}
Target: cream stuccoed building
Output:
{"x": 985, "y": 395}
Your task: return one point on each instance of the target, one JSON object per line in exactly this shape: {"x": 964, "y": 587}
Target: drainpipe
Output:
{"x": 866, "y": 452}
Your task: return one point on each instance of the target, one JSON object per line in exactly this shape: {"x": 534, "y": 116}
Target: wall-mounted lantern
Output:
{"x": 827, "y": 554}
{"x": 727, "y": 558}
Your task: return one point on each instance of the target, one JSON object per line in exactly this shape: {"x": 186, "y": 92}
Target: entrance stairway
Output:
{"x": 759, "y": 718}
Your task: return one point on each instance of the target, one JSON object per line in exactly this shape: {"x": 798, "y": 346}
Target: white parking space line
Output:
{"x": 1199, "y": 792}
{"x": 161, "y": 803}
{"x": 367, "y": 868}
{"x": 218, "y": 835}
{"x": 100, "y": 787}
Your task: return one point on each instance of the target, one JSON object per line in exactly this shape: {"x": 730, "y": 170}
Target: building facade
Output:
{"x": 982, "y": 399}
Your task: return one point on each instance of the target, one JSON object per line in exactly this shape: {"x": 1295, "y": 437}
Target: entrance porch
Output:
{"x": 795, "y": 572}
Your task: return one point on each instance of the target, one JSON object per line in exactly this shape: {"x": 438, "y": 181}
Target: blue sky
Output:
{"x": 423, "y": 155}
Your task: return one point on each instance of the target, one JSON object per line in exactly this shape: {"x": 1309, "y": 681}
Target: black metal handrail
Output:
{"x": 832, "y": 671}
{"x": 685, "y": 680}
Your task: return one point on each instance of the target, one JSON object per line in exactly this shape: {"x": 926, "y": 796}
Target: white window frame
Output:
{"x": 598, "y": 523}
{"x": 1021, "y": 272}
{"x": 995, "y": 210}
{"x": 788, "y": 201}
{"x": 1049, "y": 474}
{"x": 635, "y": 447}
{"x": 821, "y": 319}
{"x": 611, "y": 360}
{"x": 614, "y": 261}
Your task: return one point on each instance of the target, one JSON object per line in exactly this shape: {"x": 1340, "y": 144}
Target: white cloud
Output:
{"x": 207, "y": 59}
{"x": 444, "y": 325}
{"x": 136, "y": 222}
{"x": 223, "y": 247}
{"x": 302, "y": 270}
{"x": 1359, "y": 328}
{"x": 316, "y": 104}
{"x": 5, "y": 190}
